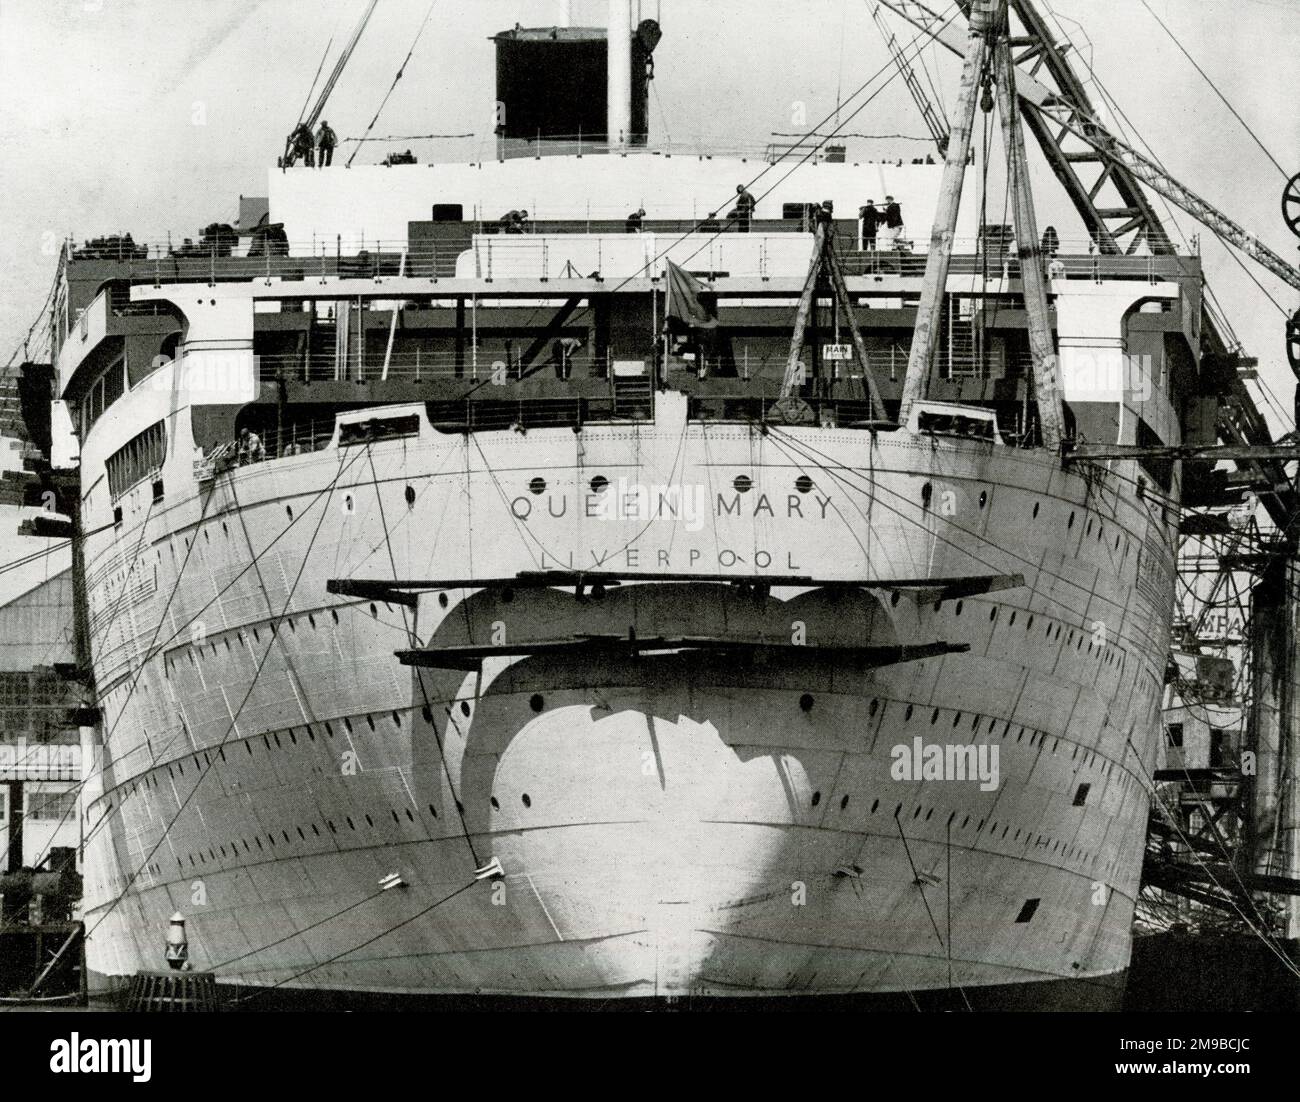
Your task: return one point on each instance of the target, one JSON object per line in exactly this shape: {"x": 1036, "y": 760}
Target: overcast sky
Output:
{"x": 155, "y": 115}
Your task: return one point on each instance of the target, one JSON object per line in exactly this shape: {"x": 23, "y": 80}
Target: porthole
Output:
{"x": 537, "y": 486}
{"x": 959, "y": 607}
{"x": 874, "y": 804}
{"x": 1013, "y": 618}
{"x": 507, "y": 596}
{"x": 908, "y": 714}
{"x": 872, "y": 707}
{"x": 351, "y": 824}
{"x": 397, "y": 720}
{"x": 1030, "y": 622}
{"x": 427, "y": 712}
{"x": 311, "y": 619}
{"x": 1035, "y": 510}
{"x": 816, "y": 798}
{"x": 410, "y": 496}
{"x": 803, "y": 484}
{"x": 1070, "y": 523}
{"x": 432, "y": 811}
{"x": 535, "y": 702}
{"x": 409, "y": 816}
{"x": 334, "y": 614}
{"x": 984, "y": 497}
{"x": 599, "y": 484}
{"x": 442, "y": 600}
{"x": 934, "y": 718}
{"x": 993, "y": 613}
{"x": 742, "y": 483}
{"x": 374, "y": 611}
{"x": 844, "y": 803}
{"x": 495, "y": 806}
{"x": 527, "y": 802}
{"x": 806, "y": 702}
{"x": 464, "y": 707}
{"x": 288, "y": 511}
{"x": 927, "y": 492}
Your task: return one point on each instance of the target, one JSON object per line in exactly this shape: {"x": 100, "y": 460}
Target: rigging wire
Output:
{"x": 234, "y": 719}
{"x": 1174, "y": 38}
{"x": 414, "y": 641}
{"x": 261, "y": 991}
{"x": 812, "y": 150}
{"x": 307, "y": 102}
{"x": 400, "y": 70}
{"x": 1151, "y": 784}
{"x": 155, "y": 650}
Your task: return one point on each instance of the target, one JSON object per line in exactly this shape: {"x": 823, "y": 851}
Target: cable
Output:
{"x": 913, "y": 45}
{"x": 257, "y": 673}
{"x": 361, "y": 945}
{"x": 400, "y": 70}
{"x": 1174, "y": 38}
{"x": 414, "y": 641}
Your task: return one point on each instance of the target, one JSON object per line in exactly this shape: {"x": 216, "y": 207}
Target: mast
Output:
{"x": 311, "y": 120}
{"x": 619, "y": 75}
{"x": 929, "y": 311}
{"x": 1047, "y": 383}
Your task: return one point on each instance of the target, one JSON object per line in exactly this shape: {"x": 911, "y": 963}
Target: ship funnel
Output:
{"x": 575, "y": 88}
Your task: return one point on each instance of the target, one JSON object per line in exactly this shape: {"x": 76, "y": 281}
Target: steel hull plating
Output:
{"x": 685, "y": 824}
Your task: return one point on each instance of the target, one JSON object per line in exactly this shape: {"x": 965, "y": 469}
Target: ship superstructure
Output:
{"x": 556, "y": 629}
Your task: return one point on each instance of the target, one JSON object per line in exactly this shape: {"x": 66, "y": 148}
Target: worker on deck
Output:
{"x": 303, "y": 144}
{"x": 634, "y": 220}
{"x": 250, "y": 447}
{"x": 893, "y": 221}
{"x": 514, "y": 221}
{"x": 743, "y": 211}
{"x": 871, "y": 219}
{"x": 710, "y": 224}
{"x": 326, "y": 140}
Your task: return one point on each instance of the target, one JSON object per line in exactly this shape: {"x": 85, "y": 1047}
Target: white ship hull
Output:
{"x": 673, "y": 825}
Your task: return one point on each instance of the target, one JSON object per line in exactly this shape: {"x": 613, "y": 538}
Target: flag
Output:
{"x": 684, "y": 304}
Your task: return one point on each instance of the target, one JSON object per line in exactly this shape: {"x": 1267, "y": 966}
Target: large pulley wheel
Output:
{"x": 1293, "y": 342}
{"x": 1291, "y": 204}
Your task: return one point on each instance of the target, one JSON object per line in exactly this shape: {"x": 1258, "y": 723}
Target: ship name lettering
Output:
{"x": 731, "y": 506}
{"x": 630, "y": 557}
